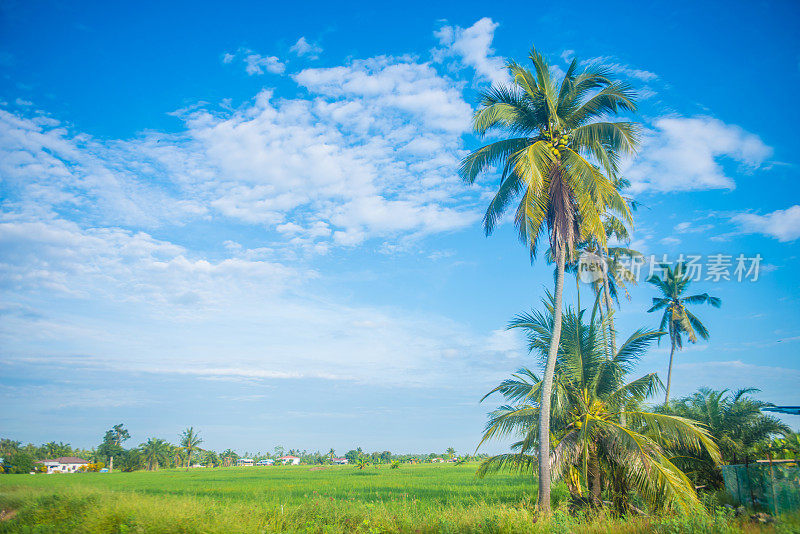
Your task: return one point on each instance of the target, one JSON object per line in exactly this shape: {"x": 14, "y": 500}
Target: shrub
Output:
{"x": 18, "y": 462}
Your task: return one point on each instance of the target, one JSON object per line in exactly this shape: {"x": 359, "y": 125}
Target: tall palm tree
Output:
{"x": 556, "y": 133}
{"x": 155, "y": 451}
{"x": 190, "y": 441}
{"x": 677, "y": 319}
{"x": 331, "y": 454}
{"x": 735, "y": 421}
{"x": 597, "y": 449}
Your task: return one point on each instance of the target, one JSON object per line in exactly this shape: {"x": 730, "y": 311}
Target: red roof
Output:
{"x": 288, "y": 458}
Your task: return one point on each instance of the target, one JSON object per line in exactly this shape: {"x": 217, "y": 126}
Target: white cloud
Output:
{"x": 101, "y": 237}
{"x": 688, "y": 227}
{"x": 48, "y": 167}
{"x": 392, "y": 83}
{"x": 683, "y": 154}
{"x": 303, "y": 48}
{"x": 58, "y": 255}
{"x": 783, "y": 225}
{"x": 258, "y": 64}
{"x": 372, "y": 152}
{"x": 255, "y": 64}
{"x": 473, "y": 46}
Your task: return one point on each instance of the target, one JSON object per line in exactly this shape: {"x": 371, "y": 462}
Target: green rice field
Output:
{"x": 413, "y": 498}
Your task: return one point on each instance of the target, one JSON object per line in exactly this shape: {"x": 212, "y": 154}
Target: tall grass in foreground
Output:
{"x": 411, "y": 499}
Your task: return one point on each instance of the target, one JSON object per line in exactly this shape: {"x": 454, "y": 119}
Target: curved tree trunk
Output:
{"x": 669, "y": 373}
{"x": 543, "y": 504}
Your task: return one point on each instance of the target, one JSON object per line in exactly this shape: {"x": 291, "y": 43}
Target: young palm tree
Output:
{"x": 190, "y": 442}
{"x": 677, "y": 319}
{"x": 155, "y": 452}
{"x": 735, "y": 421}
{"x": 557, "y": 133}
{"x": 362, "y": 462}
{"x": 595, "y": 449}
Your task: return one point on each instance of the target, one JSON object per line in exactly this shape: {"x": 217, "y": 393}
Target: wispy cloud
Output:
{"x": 255, "y": 64}
{"x": 783, "y": 225}
{"x": 305, "y": 48}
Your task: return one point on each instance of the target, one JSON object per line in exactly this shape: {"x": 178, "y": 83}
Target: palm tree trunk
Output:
{"x": 610, "y": 313}
{"x": 613, "y": 349}
{"x": 669, "y": 373}
{"x": 543, "y": 504}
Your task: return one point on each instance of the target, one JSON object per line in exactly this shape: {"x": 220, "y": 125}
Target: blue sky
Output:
{"x": 247, "y": 218}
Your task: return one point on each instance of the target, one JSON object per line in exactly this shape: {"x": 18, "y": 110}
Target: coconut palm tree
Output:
{"x": 677, "y": 319}
{"x": 595, "y": 450}
{"x": 155, "y": 451}
{"x": 331, "y": 454}
{"x": 735, "y": 421}
{"x": 190, "y": 442}
{"x": 559, "y": 158}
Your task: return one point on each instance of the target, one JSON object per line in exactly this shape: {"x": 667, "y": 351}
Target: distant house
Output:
{"x": 267, "y": 461}
{"x": 244, "y": 462}
{"x": 340, "y": 461}
{"x": 290, "y": 460}
{"x": 64, "y": 464}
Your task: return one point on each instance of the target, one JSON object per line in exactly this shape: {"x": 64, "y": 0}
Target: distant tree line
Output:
{"x": 157, "y": 453}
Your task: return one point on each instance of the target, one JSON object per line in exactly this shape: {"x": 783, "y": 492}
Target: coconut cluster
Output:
{"x": 558, "y": 143}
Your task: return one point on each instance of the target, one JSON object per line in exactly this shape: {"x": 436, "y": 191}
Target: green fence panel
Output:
{"x": 773, "y": 488}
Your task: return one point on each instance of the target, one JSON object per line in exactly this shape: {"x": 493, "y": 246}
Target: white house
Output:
{"x": 340, "y": 461}
{"x": 290, "y": 460}
{"x": 64, "y": 464}
{"x": 266, "y": 461}
{"x": 244, "y": 462}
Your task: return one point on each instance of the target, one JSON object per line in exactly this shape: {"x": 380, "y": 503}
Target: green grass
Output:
{"x": 420, "y": 498}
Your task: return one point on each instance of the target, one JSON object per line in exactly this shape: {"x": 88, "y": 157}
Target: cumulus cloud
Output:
{"x": 304, "y": 48}
{"x": 686, "y": 154}
{"x": 394, "y": 83}
{"x": 473, "y": 47}
{"x": 370, "y": 152}
{"x": 783, "y": 225}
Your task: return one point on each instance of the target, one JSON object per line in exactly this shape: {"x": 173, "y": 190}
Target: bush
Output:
{"x": 18, "y": 462}
{"x": 92, "y": 468}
